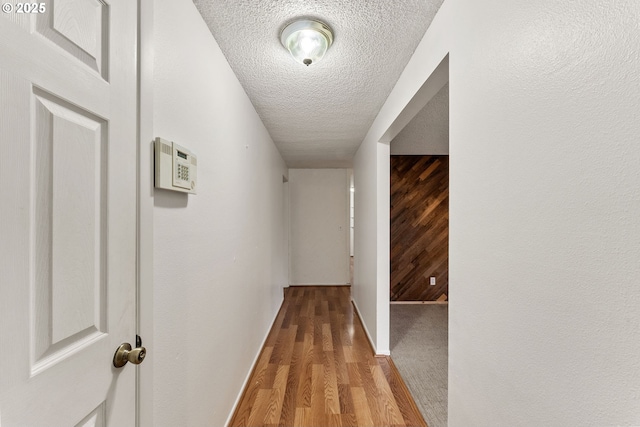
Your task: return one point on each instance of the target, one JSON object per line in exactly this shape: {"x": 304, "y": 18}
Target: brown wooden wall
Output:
{"x": 419, "y": 227}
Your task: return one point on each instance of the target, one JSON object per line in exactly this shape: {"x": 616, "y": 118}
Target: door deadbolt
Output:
{"x": 125, "y": 354}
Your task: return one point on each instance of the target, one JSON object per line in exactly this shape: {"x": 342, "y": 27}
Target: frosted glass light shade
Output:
{"x": 307, "y": 40}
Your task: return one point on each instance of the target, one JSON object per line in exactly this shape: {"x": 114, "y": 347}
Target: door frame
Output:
{"x": 432, "y": 84}
{"x": 144, "y": 386}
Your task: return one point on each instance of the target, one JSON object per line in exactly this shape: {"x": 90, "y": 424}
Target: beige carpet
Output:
{"x": 419, "y": 348}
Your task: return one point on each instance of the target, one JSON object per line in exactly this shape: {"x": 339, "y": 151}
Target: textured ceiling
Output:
{"x": 318, "y": 115}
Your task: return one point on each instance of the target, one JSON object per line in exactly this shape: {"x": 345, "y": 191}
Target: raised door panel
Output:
{"x": 70, "y": 222}
{"x": 63, "y": 314}
{"x": 97, "y": 417}
{"x": 79, "y": 27}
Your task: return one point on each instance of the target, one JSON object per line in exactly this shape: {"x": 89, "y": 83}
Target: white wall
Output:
{"x": 545, "y": 195}
{"x": 428, "y": 132}
{"x": 351, "y": 211}
{"x": 364, "y": 290}
{"x": 319, "y": 217}
{"x": 544, "y": 200}
{"x": 220, "y": 255}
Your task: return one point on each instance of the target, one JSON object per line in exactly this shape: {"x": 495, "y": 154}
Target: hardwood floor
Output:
{"x": 318, "y": 369}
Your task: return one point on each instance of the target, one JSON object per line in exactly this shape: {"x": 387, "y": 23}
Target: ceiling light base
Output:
{"x": 307, "y": 40}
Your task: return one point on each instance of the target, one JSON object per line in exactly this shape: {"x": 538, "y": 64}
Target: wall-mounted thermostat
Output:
{"x": 176, "y": 167}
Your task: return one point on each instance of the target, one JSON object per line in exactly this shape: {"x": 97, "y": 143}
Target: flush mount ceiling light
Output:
{"x": 307, "y": 40}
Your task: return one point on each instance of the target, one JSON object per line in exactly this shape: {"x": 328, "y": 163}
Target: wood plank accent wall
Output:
{"x": 419, "y": 227}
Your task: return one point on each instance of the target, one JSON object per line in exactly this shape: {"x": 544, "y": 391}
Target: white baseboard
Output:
{"x": 419, "y": 302}
{"x": 253, "y": 366}
{"x": 320, "y": 284}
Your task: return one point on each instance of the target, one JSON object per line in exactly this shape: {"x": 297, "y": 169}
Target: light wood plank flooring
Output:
{"x": 318, "y": 369}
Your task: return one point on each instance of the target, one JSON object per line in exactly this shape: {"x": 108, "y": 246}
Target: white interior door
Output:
{"x": 67, "y": 212}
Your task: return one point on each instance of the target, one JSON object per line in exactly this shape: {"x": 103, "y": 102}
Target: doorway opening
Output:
{"x": 419, "y": 250}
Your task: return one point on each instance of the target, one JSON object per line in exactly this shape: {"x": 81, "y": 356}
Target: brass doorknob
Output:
{"x": 125, "y": 354}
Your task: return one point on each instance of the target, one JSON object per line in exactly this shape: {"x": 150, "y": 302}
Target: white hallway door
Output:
{"x": 67, "y": 212}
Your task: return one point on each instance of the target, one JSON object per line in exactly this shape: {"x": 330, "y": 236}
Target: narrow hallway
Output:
{"x": 318, "y": 369}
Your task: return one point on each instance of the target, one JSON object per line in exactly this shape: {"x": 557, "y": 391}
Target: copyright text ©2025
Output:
{"x": 24, "y": 8}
